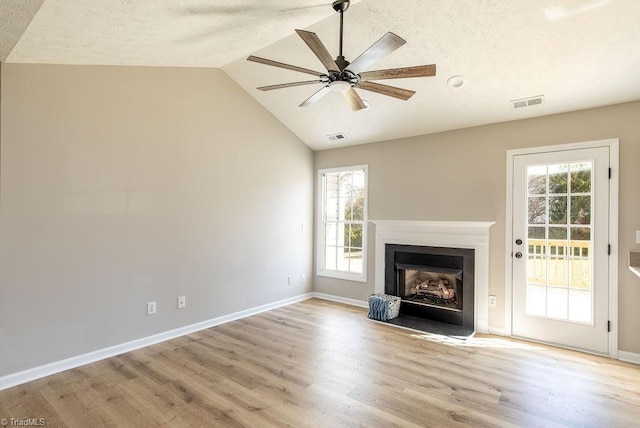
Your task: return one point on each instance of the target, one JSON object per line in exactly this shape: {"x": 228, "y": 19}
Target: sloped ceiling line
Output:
{"x": 579, "y": 54}
{"x": 15, "y": 17}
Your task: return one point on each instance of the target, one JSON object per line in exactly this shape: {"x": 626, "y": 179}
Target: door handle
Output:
{"x": 518, "y": 241}
{"x": 518, "y": 255}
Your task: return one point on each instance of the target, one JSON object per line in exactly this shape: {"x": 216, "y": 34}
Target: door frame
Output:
{"x": 614, "y": 162}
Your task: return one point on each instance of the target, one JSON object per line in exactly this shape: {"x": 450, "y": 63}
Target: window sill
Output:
{"x": 343, "y": 275}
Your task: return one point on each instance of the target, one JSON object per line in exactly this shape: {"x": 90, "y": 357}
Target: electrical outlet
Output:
{"x": 637, "y": 236}
{"x": 303, "y": 279}
{"x": 492, "y": 301}
{"x": 151, "y": 308}
{"x": 289, "y": 280}
{"x": 182, "y": 302}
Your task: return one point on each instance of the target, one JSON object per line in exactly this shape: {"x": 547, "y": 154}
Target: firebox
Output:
{"x": 435, "y": 283}
{"x": 428, "y": 285}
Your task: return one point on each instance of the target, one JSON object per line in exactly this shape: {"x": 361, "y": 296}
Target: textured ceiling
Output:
{"x": 15, "y": 16}
{"x": 187, "y": 33}
{"x": 578, "y": 53}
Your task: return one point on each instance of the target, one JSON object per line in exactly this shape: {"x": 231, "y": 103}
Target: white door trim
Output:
{"x": 613, "y": 145}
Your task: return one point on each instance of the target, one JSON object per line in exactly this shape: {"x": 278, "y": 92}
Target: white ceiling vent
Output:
{"x": 528, "y": 102}
{"x": 338, "y": 136}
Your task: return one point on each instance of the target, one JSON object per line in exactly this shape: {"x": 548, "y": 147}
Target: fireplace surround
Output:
{"x": 441, "y": 234}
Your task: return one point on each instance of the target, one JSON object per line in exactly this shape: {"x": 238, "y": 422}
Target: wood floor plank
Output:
{"x": 162, "y": 400}
{"x": 365, "y": 414}
{"x": 122, "y": 407}
{"x": 318, "y": 363}
{"x": 76, "y": 409}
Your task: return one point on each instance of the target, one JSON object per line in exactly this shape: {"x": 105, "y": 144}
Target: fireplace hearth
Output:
{"x": 434, "y": 283}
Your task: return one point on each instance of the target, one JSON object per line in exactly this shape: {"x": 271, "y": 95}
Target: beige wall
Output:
{"x": 460, "y": 175}
{"x": 122, "y": 185}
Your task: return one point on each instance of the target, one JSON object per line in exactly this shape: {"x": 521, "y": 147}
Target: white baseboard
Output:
{"x": 629, "y": 357}
{"x": 338, "y": 299}
{"x": 28, "y": 375}
{"x": 498, "y": 331}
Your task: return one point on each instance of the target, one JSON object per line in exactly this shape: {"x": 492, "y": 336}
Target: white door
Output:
{"x": 560, "y": 248}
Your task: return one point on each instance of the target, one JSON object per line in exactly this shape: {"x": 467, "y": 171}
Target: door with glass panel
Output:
{"x": 560, "y": 248}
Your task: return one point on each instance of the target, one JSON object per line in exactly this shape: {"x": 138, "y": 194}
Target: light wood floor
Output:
{"x": 323, "y": 364}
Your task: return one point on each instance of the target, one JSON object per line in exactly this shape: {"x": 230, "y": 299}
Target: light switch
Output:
{"x": 637, "y": 236}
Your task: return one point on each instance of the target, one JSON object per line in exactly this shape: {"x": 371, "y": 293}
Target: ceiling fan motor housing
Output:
{"x": 344, "y": 76}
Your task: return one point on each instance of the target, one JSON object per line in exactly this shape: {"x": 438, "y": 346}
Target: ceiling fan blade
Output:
{"x": 391, "y": 91}
{"x": 383, "y": 47}
{"x": 398, "y": 73}
{"x": 289, "y": 85}
{"x": 315, "y": 97}
{"x": 354, "y": 99}
{"x": 313, "y": 41}
{"x": 283, "y": 65}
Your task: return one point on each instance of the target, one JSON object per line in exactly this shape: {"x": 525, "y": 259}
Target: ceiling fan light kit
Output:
{"x": 344, "y": 76}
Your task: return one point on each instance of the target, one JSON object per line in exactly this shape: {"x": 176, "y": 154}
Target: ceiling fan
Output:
{"x": 343, "y": 76}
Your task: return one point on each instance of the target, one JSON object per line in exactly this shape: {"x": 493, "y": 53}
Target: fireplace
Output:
{"x": 434, "y": 283}
{"x": 469, "y": 235}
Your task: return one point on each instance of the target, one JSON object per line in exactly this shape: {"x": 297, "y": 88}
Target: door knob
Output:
{"x": 518, "y": 241}
{"x": 518, "y": 255}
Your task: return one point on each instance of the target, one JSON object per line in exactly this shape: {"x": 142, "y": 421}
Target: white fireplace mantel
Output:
{"x": 453, "y": 234}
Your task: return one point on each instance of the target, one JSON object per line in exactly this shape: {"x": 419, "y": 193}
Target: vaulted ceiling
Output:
{"x": 577, "y": 53}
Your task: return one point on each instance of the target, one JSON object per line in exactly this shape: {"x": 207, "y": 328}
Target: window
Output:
{"x": 342, "y": 231}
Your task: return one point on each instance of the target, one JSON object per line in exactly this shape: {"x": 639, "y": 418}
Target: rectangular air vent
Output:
{"x": 338, "y": 136}
{"x": 528, "y": 102}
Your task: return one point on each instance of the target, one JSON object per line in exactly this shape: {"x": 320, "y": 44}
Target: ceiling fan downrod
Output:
{"x": 341, "y": 6}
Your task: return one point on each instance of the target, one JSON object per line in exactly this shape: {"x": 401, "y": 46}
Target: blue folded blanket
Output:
{"x": 378, "y": 308}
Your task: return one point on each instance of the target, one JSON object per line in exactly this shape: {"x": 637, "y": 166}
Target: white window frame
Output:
{"x": 320, "y": 226}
